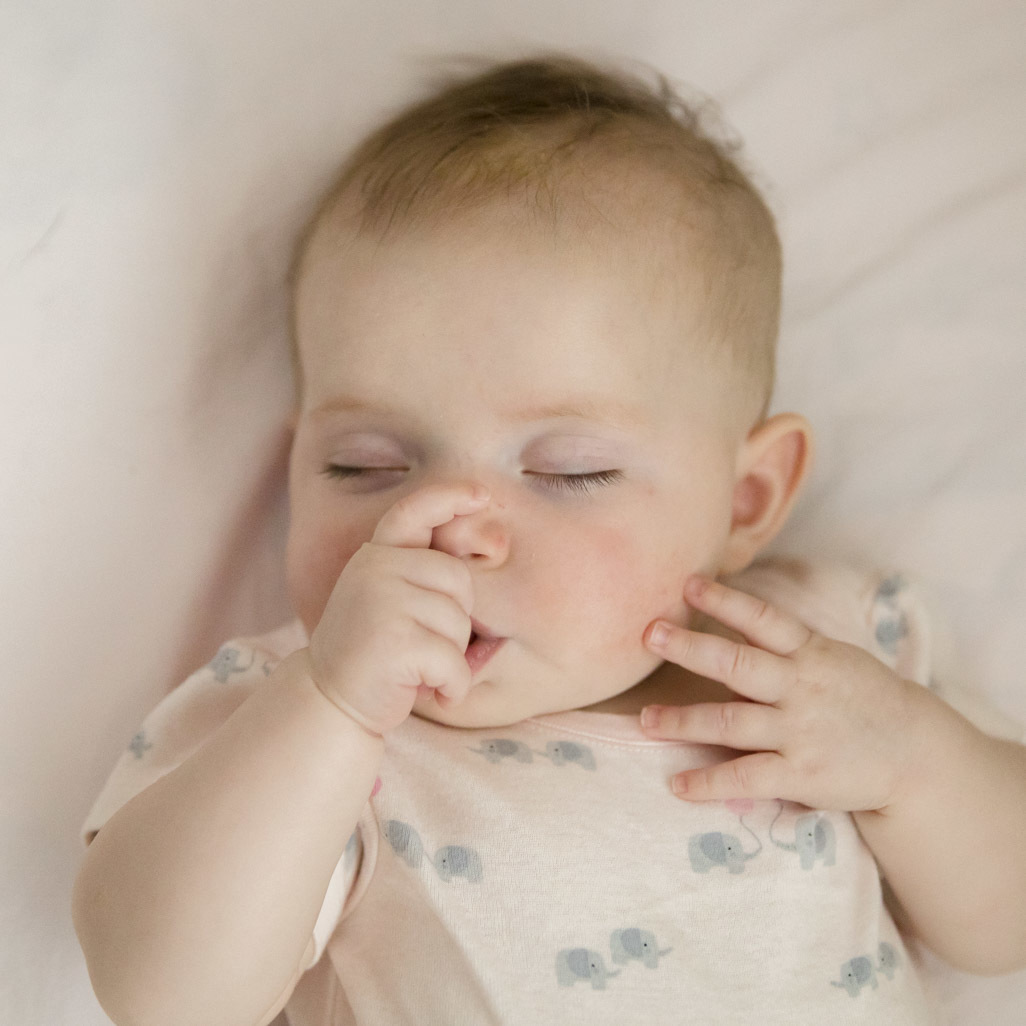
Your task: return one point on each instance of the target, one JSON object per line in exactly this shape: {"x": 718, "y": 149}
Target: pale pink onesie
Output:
{"x": 544, "y": 872}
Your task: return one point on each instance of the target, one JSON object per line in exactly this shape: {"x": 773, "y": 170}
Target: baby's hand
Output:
{"x": 398, "y": 619}
{"x": 833, "y": 727}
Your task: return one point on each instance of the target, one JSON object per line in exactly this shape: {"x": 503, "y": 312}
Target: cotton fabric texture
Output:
{"x": 545, "y": 873}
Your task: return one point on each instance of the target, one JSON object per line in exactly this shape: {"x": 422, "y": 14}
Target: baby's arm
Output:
{"x": 195, "y": 902}
{"x": 953, "y": 847}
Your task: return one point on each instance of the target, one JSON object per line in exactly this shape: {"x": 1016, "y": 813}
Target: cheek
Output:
{"x": 318, "y": 550}
{"x": 613, "y": 584}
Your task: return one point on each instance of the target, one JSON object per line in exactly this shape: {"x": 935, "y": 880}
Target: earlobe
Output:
{"x": 776, "y": 458}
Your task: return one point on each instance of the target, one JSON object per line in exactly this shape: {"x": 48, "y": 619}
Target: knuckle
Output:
{"x": 741, "y": 774}
{"x": 366, "y": 553}
{"x": 380, "y": 562}
{"x": 435, "y": 661}
{"x": 726, "y": 717}
{"x": 814, "y": 681}
{"x": 737, "y": 662}
{"x": 761, "y": 611}
{"x": 452, "y": 672}
{"x": 405, "y": 506}
{"x": 810, "y": 760}
{"x": 396, "y": 634}
{"x": 455, "y": 578}
{"x": 801, "y": 726}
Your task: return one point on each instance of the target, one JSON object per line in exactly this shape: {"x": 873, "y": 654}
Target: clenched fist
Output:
{"x": 398, "y": 619}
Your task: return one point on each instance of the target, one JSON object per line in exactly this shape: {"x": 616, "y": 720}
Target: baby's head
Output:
{"x": 546, "y": 279}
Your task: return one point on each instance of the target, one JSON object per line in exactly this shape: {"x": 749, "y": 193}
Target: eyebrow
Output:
{"x": 583, "y": 407}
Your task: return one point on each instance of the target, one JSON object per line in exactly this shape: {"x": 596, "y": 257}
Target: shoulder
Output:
{"x": 252, "y": 656}
{"x": 876, "y": 608}
{"x": 189, "y": 714}
{"x": 274, "y": 644}
{"x": 191, "y": 711}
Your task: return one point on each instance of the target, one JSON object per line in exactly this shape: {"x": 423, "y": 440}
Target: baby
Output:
{"x": 530, "y": 753}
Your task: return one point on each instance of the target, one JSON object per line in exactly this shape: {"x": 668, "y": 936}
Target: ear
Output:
{"x": 774, "y": 461}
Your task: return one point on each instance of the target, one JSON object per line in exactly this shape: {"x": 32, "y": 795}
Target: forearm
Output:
{"x": 195, "y": 902}
{"x": 953, "y": 847}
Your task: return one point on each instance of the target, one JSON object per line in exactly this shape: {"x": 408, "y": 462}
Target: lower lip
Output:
{"x": 481, "y": 651}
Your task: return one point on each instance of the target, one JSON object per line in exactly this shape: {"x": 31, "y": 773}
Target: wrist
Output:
{"x": 299, "y": 668}
{"x": 938, "y": 738}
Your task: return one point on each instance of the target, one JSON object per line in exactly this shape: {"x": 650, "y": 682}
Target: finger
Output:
{"x": 754, "y": 619}
{"x": 437, "y": 572}
{"x": 439, "y": 613}
{"x": 410, "y": 522}
{"x": 748, "y": 726}
{"x": 762, "y": 775}
{"x": 749, "y": 671}
{"x": 430, "y": 694}
{"x": 441, "y": 666}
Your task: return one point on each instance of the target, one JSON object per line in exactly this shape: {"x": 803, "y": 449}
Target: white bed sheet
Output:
{"x": 156, "y": 161}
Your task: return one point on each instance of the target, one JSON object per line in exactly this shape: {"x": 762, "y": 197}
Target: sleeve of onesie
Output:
{"x": 179, "y": 725}
{"x": 901, "y": 624}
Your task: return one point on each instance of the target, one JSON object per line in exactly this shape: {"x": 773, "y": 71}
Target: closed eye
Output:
{"x": 579, "y": 483}
{"x": 334, "y": 470}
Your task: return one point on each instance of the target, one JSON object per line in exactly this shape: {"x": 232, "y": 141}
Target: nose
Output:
{"x": 481, "y": 537}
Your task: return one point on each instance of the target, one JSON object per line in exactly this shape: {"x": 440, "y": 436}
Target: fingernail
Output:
{"x": 650, "y": 716}
{"x": 696, "y": 585}
{"x": 660, "y": 634}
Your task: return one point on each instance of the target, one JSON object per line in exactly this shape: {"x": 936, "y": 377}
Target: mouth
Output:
{"x": 482, "y": 646}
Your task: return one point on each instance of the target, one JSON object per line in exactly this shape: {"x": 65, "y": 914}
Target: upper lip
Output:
{"x": 481, "y": 630}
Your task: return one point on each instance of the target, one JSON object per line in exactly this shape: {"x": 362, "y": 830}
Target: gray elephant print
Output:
{"x": 405, "y": 842}
{"x": 457, "y": 860}
{"x": 635, "y": 944}
{"x": 139, "y": 744}
{"x": 814, "y": 838}
{"x": 226, "y": 662}
{"x": 859, "y": 972}
{"x": 562, "y": 752}
{"x": 573, "y": 964}
{"x": 855, "y": 974}
{"x": 719, "y": 849}
{"x": 496, "y": 749}
{"x": 892, "y": 625}
{"x": 449, "y": 862}
{"x": 887, "y": 960}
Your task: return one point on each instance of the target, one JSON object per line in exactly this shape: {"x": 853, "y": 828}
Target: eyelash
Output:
{"x": 580, "y": 483}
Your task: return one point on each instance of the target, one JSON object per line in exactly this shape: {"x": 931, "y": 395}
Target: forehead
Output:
{"x": 625, "y": 219}
{"x": 514, "y": 308}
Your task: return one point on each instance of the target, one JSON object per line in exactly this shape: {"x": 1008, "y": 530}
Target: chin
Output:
{"x": 473, "y": 712}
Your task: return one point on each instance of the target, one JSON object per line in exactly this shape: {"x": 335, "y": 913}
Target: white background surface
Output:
{"x": 156, "y": 160}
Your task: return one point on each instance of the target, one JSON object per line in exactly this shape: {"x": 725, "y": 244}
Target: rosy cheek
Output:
{"x": 603, "y": 574}
{"x": 319, "y": 559}
{"x": 638, "y": 582}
